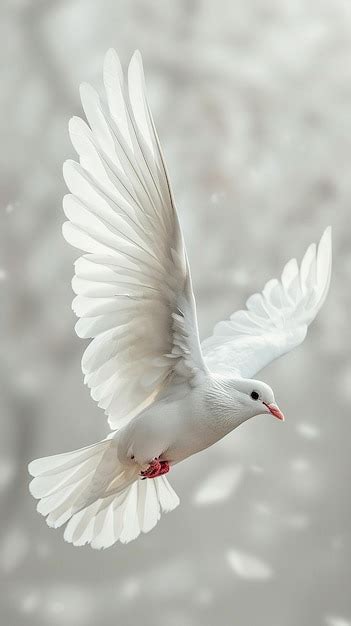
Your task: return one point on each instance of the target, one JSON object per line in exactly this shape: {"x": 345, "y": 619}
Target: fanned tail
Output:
{"x": 102, "y": 500}
{"x": 122, "y": 517}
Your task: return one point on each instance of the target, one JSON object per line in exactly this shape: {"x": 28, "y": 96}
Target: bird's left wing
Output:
{"x": 276, "y": 320}
{"x": 133, "y": 285}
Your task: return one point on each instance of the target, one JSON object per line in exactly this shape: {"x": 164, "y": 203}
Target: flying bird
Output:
{"x": 166, "y": 395}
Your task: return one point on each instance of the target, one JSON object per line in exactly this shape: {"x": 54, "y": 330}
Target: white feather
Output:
{"x": 121, "y": 210}
{"x": 276, "y": 321}
{"x": 75, "y": 487}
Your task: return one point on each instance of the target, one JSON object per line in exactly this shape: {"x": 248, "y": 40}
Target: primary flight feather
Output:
{"x": 166, "y": 395}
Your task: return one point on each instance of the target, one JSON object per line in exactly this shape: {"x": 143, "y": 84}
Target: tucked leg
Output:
{"x": 156, "y": 468}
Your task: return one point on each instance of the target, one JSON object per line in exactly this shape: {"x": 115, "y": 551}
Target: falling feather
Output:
{"x": 248, "y": 567}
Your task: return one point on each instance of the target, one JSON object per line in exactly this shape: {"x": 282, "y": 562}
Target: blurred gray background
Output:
{"x": 252, "y": 102}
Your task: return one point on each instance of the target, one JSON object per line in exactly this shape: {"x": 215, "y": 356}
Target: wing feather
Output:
{"x": 276, "y": 320}
{"x": 133, "y": 286}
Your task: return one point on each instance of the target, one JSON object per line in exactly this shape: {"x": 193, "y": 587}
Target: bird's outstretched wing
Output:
{"x": 133, "y": 285}
{"x": 276, "y": 320}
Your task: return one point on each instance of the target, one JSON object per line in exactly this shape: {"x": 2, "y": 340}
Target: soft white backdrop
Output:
{"x": 252, "y": 102}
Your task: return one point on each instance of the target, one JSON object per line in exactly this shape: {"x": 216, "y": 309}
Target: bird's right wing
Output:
{"x": 134, "y": 293}
{"x": 276, "y": 320}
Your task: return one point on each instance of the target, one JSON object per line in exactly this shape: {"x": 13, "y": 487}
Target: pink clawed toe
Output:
{"x": 156, "y": 468}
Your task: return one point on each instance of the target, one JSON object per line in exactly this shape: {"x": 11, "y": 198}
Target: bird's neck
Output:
{"x": 223, "y": 405}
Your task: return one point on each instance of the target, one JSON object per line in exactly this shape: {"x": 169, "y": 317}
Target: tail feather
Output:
{"x": 123, "y": 516}
{"x": 102, "y": 500}
{"x": 66, "y": 460}
{"x": 49, "y": 484}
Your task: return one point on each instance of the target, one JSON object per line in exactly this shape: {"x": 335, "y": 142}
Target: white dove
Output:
{"x": 165, "y": 395}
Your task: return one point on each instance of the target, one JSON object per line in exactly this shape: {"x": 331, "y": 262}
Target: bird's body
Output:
{"x": 167, "y": 395}
{"x": 174, "y": 429}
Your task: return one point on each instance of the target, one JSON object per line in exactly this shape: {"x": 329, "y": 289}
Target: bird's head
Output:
{"x": 256, "y": 398}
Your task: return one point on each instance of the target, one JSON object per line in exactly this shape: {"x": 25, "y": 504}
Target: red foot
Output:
{"x": 156, "y": 468}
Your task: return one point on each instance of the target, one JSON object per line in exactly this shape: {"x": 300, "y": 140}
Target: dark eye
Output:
{"x": 254, "y": 395}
